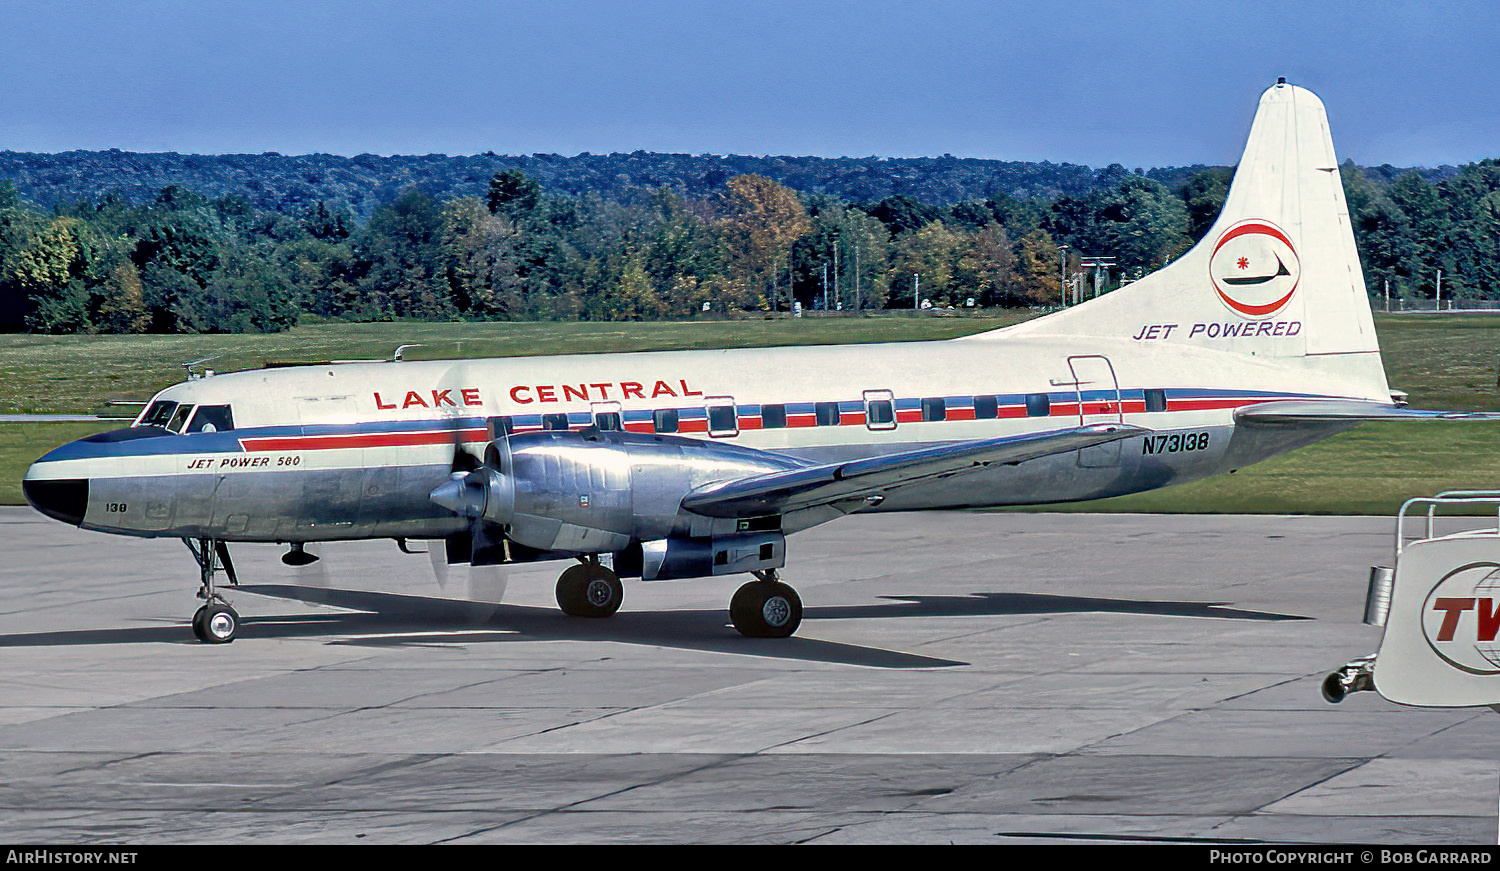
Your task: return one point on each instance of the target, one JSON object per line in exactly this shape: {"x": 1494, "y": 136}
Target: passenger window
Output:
{"x": 723, "y": 421}
{"x": 1156, "y": 400}
{"x": 665, "y": 419}
{"x": 212, "y": 418}
{"x": 934, "y": 409}
{"x": 986, "y": 408}
{"x": 772, "y": 416}
{"x": 500, "y": 426}
{"x": 180, "y": 418}
{"x": 159, "y": 414}
{"x": 558, "y": 421}
{"x": 607, "y": 416}
{"x": 1038, "y": 405}
{"x": 880, "y": 409}
{"x": 827, "y": 413}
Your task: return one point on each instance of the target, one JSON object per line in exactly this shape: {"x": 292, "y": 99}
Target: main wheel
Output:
{"x": 766, "y": 609}
{"x": 589, "y": 591}
{"x": 216, "y": 623}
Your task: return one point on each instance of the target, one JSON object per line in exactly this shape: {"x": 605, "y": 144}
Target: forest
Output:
{"x": 513, "y": 248}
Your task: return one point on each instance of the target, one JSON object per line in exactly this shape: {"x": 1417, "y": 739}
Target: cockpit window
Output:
{"x": 159, "y": 414}
{"x": 212, "y": 418}
{"x": 180, "y": 418}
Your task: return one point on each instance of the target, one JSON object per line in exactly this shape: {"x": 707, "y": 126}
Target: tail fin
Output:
{"x": 1277, "y": 275}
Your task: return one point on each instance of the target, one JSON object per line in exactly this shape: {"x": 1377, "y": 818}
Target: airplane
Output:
{"x": 688, "y": 464}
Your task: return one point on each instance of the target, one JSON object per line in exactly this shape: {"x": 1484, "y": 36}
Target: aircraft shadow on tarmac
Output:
{"x": 381, "y": 619}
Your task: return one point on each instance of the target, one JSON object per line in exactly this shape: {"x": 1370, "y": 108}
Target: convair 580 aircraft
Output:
{"x": 698, "y": 463}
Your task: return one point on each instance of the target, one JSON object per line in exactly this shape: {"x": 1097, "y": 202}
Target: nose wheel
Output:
{"x": 216, "y": 622}
{"x": 766, "y": 608}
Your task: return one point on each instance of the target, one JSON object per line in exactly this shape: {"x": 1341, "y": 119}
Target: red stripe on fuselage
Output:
{"x": 357, "y": 440}
{"x": 351, "y": 441}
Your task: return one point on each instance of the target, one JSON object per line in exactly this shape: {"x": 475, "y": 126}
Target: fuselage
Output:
{"x": 352, "y": 450}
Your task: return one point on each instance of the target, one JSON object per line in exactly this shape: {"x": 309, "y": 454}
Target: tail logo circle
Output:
{"x": 1254, "y": 268}
{"x": 1461, "y": 618}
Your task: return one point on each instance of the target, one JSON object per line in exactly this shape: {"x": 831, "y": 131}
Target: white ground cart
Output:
{"x": 1439, "y": 602}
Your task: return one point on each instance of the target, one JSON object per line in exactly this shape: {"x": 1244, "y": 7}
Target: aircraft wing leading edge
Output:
{"x": 797, "y": 489}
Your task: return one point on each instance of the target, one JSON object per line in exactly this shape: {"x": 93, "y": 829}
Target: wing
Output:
{"x": 795, "y": 489}
{"x": 1345, "y": 411}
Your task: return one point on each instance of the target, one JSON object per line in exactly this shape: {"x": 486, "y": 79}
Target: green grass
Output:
{"x": 1443, "y": 361}
{"x": 1371, "y": 469}
{"x": 78, "y": 374}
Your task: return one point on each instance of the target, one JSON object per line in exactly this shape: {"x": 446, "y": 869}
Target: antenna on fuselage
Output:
{"x": 197, "y": 365}
{"x": 400, "y": 353}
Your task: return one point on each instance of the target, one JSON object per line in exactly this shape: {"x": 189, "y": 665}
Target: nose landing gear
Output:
{"x": 216, "y": 622}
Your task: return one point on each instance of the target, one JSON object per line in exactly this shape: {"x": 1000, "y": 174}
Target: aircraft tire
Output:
{"x": 589, "y": 591}
{"x": 762, "y": 609}
{"x": 216, "y": 624}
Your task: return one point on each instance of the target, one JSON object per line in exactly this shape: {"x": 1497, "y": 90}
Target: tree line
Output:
{"x": 184, "y": 262}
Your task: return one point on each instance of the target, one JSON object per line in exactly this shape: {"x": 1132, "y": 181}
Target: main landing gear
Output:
{"x": 589, "y": 589}
{"x": 216, "y": 622}
{"x": 763, "y": 608}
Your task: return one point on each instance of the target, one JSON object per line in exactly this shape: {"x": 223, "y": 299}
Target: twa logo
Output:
{"x": 1254, "y": 268}
{"x": 1461, "y": 618}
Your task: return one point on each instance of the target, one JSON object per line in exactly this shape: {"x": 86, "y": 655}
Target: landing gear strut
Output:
{"x": 216, "y": 622}
{"x": 765, "y": 607}
{"x": 589, "y": 590}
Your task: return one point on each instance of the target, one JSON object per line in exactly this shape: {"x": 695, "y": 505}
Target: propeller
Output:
{"x": 487, "y": 583}
{"x": 467, "y": 492}
{"x": 439, "y": 559}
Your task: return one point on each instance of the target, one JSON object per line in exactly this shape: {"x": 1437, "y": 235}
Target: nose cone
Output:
{"x": 61, "y": 499}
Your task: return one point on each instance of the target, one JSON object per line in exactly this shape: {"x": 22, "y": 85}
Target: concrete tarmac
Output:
{"x": 958, "y": 678}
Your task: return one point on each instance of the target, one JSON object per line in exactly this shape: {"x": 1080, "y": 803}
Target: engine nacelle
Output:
{"x": 597, "y": 492}
{"x": 673, "y": 558}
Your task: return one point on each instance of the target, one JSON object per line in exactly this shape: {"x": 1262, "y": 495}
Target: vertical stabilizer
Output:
{"x": 1277, "y": 275}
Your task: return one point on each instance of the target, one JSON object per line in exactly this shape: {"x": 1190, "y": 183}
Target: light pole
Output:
{"x": 1062, "y": 272}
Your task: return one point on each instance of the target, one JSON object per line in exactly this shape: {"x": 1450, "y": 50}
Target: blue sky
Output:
{"x": 1139, "y": 83}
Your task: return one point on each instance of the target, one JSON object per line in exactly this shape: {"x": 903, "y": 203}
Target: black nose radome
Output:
{"x": 63, "y": 500}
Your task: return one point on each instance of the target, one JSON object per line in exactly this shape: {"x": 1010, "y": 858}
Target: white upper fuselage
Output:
{"x": 1204, "y": 387}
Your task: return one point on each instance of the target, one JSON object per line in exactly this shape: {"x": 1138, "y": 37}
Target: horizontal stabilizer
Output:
{"x": 1345, "y": 410}
{"x": 796, "y": 489}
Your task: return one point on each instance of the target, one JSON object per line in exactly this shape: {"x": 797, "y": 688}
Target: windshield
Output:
{"x": 159, "y": 414}
{"x": 180, "y": 418}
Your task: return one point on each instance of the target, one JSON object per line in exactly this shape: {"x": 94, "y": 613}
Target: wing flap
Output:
{"x": 795, "y": 489}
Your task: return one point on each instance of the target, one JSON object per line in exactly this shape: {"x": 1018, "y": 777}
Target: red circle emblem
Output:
{"x": 1254, "y": 268}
